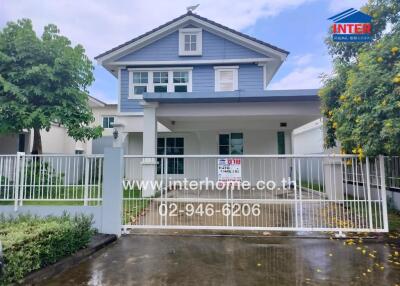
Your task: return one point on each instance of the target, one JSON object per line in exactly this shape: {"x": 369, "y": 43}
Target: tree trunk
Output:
{"x": 37, "y": 142}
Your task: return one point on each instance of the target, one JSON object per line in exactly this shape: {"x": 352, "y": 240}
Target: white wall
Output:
{"x": 206, "y": 143}
{"x": 309, "y": 138}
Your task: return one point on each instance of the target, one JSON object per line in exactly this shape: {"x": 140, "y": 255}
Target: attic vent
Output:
{"x": 283, "y": 124}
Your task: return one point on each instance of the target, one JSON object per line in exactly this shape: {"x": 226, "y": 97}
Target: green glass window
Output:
{"x": 281, "y": 142}
{"x": 231, "y": 144}
{"x": 171, "y": 146}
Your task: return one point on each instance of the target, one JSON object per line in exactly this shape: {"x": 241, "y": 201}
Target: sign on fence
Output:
{"x": 229, "y": 170}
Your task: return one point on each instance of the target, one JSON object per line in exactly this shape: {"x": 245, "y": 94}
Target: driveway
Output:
{"x": 226, "y": 260}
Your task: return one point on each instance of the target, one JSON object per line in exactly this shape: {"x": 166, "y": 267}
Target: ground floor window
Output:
{"x": 231, "y": 144}
{"x": 170, "y": 146}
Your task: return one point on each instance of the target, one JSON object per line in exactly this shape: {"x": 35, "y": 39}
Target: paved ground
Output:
{"x": 200, "y": 260}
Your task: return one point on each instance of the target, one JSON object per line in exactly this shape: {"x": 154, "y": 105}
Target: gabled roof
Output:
{"x": 351, "y": 16}
{"x": 195, "y": 16}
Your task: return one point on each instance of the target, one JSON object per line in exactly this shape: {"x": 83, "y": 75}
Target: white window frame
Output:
{"x": 235, "y": 73}
{"x": 198, "y": 32}
{"x": 159, "y": 84}
{"x": 181, "y": 84}
{"x": 229, "y": 133}
{"x": 108, "y": 120}
{"x": 132, "y": 85}
{"x": 150, "y": 85}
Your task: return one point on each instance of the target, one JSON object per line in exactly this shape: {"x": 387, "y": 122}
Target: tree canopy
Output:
{"x": 361, "y": 100}
{"x": 44, "y": 80}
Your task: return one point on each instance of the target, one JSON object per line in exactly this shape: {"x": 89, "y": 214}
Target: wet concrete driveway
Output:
{"x": 224, "y": 260}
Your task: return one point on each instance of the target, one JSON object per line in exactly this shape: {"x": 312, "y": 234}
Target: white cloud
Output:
{"x": 339, "y": 6}
{"x": 303, "y": 59}
{"x": 100, "y": 24}
{"x": 301, "y": 78}
{"x": 306, "y": 71}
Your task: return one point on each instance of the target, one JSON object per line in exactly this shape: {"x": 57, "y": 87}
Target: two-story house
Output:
{"x": 193, "y": 86}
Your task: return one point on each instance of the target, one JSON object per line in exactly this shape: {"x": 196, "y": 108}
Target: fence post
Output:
{"x": 22, "y": 186}
{"x": 16, "y": 181}
{"x": 295, "y": 191}
{"x": 86, "y": 188}
{"x": 369, "y": 193}
{"x": 111, "y": 209}
{"x": 383, "y": 192}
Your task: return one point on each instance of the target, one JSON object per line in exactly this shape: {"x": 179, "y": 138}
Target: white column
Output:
{"x": 149, "y": 164}
{"x": 333, "y": 178}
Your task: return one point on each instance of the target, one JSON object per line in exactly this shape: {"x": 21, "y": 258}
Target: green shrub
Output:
{"x": 30, "y": 243}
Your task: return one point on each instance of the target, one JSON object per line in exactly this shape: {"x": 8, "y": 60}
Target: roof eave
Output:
{"x": 171, "y": 25}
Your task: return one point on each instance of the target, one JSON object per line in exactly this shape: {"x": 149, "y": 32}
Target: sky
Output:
{"x": 298, "y": 26}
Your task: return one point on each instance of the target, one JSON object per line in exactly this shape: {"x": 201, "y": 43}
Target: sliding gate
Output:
{"x": 255, "y": 192}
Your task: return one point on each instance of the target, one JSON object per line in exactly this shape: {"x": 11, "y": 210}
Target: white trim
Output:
{"x": 138, "y": 113}
{"x": 225, "y": 67}
{"x": 235, "y": 73}
{"x": 150, "y": 85}
{"x": 171, "y": 28}
{"x": 229, "y": 133}
{"x": 119, "y": 90}
{"x": 107, "y": 116}
{"x": 269, "y": 70}
{"x": 199, "y": 41}
{"x": 193, "y": 62}
{"x": 160, "y": 69}
{"x": 131, "y": 86}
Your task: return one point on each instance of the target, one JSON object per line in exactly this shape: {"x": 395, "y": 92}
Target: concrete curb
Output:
{"x": 98, "y": 242}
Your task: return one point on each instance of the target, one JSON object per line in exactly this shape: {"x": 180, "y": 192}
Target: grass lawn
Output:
{"x": 313, "y": 186}
{"x": 394, "y": 220}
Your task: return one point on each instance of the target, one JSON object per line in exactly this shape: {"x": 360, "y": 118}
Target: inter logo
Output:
{"x": 351, "y": 26}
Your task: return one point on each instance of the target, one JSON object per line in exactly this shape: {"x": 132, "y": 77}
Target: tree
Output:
{"x": 43, "y": 80}
{"x": 361, "y": 101}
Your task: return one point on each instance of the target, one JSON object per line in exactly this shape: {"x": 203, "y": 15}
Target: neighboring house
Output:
{"x": 193, "y": 86}
{"x": 57, "y": 141}
{"x": 309, "y": 138}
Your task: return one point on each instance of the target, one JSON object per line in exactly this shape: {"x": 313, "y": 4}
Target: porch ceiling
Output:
{"x": 265, "y": 122}
{"x": 251, "y": 115}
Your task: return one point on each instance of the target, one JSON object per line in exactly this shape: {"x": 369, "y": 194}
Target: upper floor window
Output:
{"x": 160, "y": 80}
{"x": 181, "y": 80}
{"x": 140, "y": 81}
{"x": 177, "y": 79}
{"x": 190, "y": 42}
{"x": 108, "y": 121}
{"x": 226, "y": 78}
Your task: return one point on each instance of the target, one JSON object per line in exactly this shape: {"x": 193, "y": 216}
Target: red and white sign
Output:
{"x": 229, "y": 170}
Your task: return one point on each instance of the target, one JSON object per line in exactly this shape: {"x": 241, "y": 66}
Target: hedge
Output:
{"x": 30, "y": 243}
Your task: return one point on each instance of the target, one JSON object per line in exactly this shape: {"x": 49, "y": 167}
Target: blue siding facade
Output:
{"x": 126, "y": 104}
{"x": 214, "y": 48}
{"x": 250, "y": 78}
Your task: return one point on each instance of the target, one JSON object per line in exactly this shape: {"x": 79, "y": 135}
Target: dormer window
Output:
{"x": 190, "y": 42}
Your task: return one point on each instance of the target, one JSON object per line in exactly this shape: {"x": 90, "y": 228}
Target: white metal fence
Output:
{"x": 51, "y": 179}
{"x": 320, "y": 193}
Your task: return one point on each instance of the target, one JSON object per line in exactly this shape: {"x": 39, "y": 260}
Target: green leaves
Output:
{"x": 361, "y": 100}
{"x": 44, "y": 80}
{"x": 31, "y": 243}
